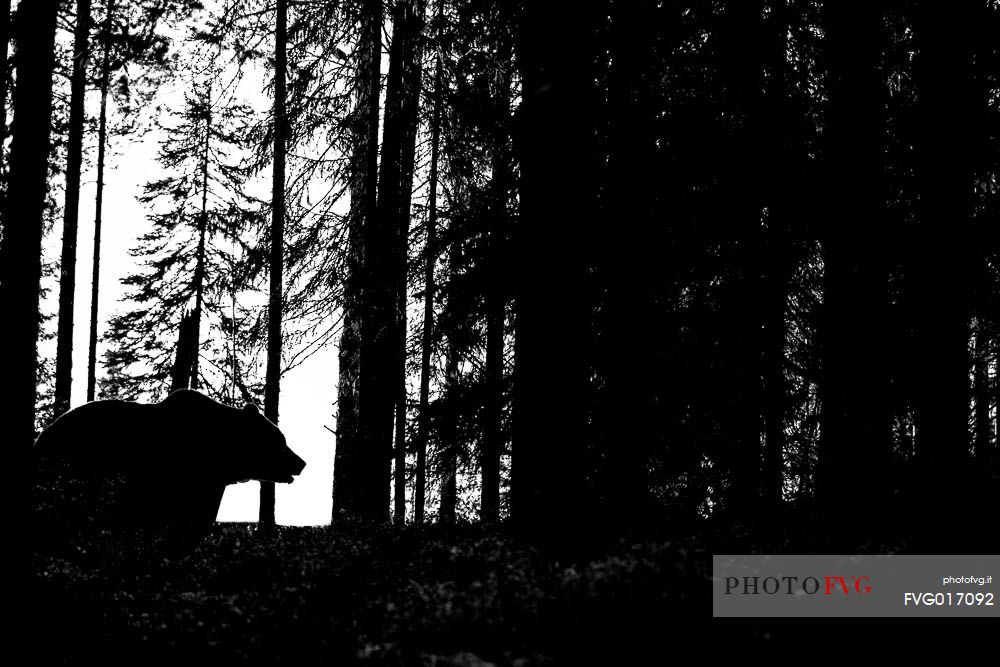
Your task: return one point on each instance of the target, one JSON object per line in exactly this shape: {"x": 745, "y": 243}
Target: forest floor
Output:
{"x": 434, "y": 596}
{"x": 459, "y": 596}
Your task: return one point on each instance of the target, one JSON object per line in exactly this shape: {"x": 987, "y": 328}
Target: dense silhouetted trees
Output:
{"x": 590, "y": 268}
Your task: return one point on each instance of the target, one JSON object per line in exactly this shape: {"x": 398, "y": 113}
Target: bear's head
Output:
{"x": 263, "y": 453}
{"x": 235, "y": 444}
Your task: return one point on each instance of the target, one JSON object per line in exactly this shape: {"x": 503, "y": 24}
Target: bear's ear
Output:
{"x": 250, "y": 407}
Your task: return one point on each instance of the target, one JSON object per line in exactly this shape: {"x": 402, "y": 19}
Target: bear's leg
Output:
{"x": 195, "y": 516}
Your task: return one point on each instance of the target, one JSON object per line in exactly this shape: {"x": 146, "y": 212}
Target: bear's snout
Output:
{"x": 291, "y": 464}
{"x": 298, "y": 464}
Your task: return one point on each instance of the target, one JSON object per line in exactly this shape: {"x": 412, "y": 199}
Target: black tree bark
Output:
{"x": 102, "y": 140}
{"x": 187, "y": 349}
{"x": 4, "y": 75}
{"x": 448, "y": 469}
{"x": 982, "y": 424}
{"x": 23, "y": 214}
{"x": 552, "y": 310}
{"x": 199, "y": 264}
{"x": 778, "y": 251}
{"x": 496, "y": 295}
{"x": 431, "y": 256}
{"x": 943, "y": 72}
{"x": 384, "y": 257}
{"x": 276, "y": 258}
{"x": 412, "y": 75}
{"x": 71, "y": 209}
{"x": 741, "y": 215}
{"x": 630, "y": 261}
{"x": 854, "y": 389}
{"x": 348, "y": 460}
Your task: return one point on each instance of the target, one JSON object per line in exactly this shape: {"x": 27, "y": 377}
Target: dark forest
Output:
{"x": 611, "y": 287}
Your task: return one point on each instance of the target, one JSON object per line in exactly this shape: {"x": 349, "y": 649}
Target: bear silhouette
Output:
{"x": 122, "y": 470}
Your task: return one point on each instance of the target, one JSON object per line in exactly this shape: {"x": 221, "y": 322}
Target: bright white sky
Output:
{"x": 308, "y": 392}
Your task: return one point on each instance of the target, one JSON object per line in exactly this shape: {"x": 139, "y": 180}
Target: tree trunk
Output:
{"x": 553, "y": 314}
{"x": 496, "y": 295}
{"x": 235, "y": 365}
{"x": 943, "y": 73}
{"x": 349, "y": 462}
{"x": 185, "y": 372}
{"x": 740, "y": 214}
{"x": 71, "y": 210}
{"x": 856, "y": 416}
{"x": 449, "y": 440}
{"x": 399, "y": 480}
{"x": 431, "y": 255}
{"x": 187, "y": 348}
{"x": 379, "y": 388}
{"x": 778, "y": 251}
{"x": 385, "y": 252}
{"x": 411, "y": 106}
{"x": 451, "y": 412}
{"x": 276, "y": 260}
{"x": 23, "y": 219}
{"x": 628, "y": 271}
{"x": 199, "y": 265}
{"x": 4, "y": 76}
{"x": 773, "y": 363}
{"x": 102, "y": 140}
{"x": 982, "y": 423}
{"x": 493, "y": 414}
{"x": 996, "y": 402}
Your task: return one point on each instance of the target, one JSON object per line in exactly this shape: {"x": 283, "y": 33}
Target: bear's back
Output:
{"x": 107, "y": 469}
{"x": 99, "y": 434}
